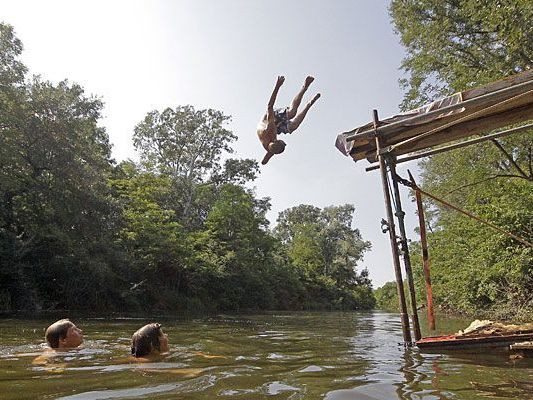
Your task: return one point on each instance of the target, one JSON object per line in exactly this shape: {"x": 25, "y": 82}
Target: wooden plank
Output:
{"x": 441, "y": 149}
{"x": 473, "y": 127}
{"x": 364, "y": 144}
{"x": 368, "y": 150}
{"x": 485, "y": 97}
{"x": 463, "y": 342}
{"x": 470, "y": 128}
{"x": 501, "y": 84}
{"x": 522, "y": 346}
{"x": 458, "y": 123}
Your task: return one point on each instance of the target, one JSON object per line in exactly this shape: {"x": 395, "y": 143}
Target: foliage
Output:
{"x": 56, "y": 207}
{"x": 178, "y": 231}
{"x": 387, "y": 297}
{"x": 12, "y": 71}
{"x": 150, "y": 235}
{"x": 187, "y": 145}
{"x": 233, "y": 249}
{"x": 452, "y": 46}
{"x": 475, "y": 268}
{"x": 325, "y": 249}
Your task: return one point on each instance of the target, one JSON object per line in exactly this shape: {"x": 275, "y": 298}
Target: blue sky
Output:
{"x": 226, "y": 54}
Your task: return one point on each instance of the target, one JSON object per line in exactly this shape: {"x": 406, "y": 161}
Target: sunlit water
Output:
{"x": 332, "y": 356}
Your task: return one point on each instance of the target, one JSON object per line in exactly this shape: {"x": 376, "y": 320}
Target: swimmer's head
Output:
{"x": 63, "y": 334}
{"x": 148, "y": 340}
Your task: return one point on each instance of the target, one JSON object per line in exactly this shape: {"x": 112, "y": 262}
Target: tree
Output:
{"x": 12, "y": 71}
{"x": 56, "y": 206}
{"x": 325, "y": 248}
{"x": 453, "y": 45}
{"x": 151, "y": 236}
{"x": 323, "y": 236}
{"x": 187, "y": 145}
{"x": 387, "y": 297}
{"x": 183, "y": 142}
{"x": 233, "y": 253}
{"x": 475, "y": 268}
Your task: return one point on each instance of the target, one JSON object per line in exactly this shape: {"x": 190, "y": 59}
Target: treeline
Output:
{"x": 180, "y": 230}
{"x": 453, "y": 46}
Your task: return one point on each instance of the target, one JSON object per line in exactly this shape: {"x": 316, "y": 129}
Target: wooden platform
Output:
{"x": 472, "y": 112}
{"x": 454, "y": 342}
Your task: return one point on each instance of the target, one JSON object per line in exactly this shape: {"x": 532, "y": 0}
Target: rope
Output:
{"x": 412, "y": 185}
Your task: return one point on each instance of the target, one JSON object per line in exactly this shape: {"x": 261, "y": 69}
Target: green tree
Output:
{"x": 387, "y": 297}
{"x": 12, "y": 71}
{"x": 324, "y": 247}
{"x": 56, "y": 207}
{"x": 151, "y": 237}
{"x": 187, "y": 145}
{"x": 453, "y": 45}
{"x": 475, "y": 268}
{"x": 233, "y": 253}
{"x": 323, "y": 238}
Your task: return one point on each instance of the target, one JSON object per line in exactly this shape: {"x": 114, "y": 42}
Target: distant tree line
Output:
{"x": 452, "y": 46}
{"x": 179, "y": 230}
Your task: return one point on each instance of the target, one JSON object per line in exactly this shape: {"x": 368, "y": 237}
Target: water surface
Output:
{"x": 332, "y": 356}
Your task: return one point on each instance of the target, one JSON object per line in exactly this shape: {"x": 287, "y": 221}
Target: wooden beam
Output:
{"x": 469, "y": 128}
{"x": 458, "y": 145}
{"x": 478, "y": 97}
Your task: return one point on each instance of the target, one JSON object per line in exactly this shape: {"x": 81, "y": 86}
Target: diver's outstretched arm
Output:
{"x": 270, "y": 108}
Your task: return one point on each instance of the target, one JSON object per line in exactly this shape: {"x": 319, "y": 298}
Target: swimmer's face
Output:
{"x": 163, "y": 342}
{"x": 73, "y": 339}
{"x": 277, "y": 147}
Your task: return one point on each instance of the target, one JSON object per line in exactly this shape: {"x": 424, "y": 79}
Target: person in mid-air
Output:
{"x": 277, "y": 121}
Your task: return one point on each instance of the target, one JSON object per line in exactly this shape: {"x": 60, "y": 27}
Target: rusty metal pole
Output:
{"x": 425, "y": 260}
{"x": 425, "y": 255}
{"x": 400, "y": 215}
{"x": 392, "y": 236}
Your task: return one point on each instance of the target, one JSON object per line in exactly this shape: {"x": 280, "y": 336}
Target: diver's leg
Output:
{"x": 298, "y": 99}
{"x": 295, "y": 123}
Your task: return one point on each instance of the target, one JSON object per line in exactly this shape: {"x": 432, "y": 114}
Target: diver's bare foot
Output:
{"x": 315, "y": 99}
{"x": 308, "y": 81}
{"x": 280, "y": 81}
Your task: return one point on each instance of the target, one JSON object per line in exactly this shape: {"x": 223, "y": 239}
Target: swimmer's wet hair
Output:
{"x": 145, "y": 340}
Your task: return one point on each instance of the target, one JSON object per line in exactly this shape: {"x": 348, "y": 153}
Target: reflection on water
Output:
{"x": 333, "y": 356}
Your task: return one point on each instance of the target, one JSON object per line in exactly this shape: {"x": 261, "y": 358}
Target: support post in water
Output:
{"x": 425, "y": 254}
{"x": 392, "y": 236}
{"x": 400, "y": 216}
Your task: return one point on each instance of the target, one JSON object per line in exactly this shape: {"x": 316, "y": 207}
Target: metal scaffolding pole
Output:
{"x": 392, "y": 236}
{"x": 400, "y": 215}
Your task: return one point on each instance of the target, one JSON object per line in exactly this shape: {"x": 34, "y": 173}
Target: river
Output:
{"x": 334, "y": 356}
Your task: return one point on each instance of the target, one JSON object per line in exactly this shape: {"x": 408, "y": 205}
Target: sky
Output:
{"x": 139, "y": 56}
